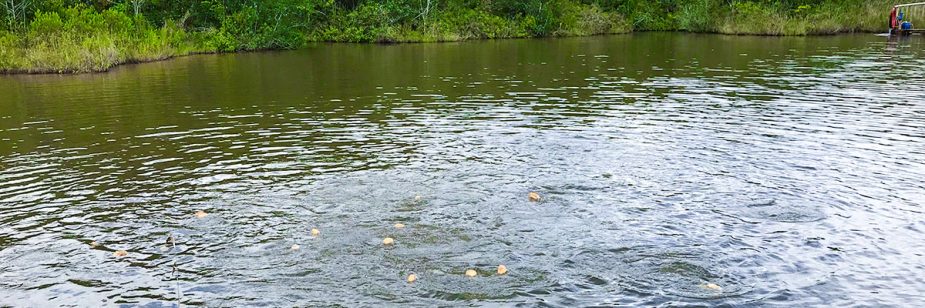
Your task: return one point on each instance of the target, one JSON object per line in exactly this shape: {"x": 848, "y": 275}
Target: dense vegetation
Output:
{"x": 93, "y": 35}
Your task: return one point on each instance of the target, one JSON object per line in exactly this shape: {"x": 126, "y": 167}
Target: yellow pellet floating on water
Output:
{"x": 120, "y": 253}
{"x": 533, "y": 196}
{"x": 399, "y": 226}
{"x": 471, "y": 273}
{"x": 713, "y": 286}
{"x": 388, "y": 241}
{"x": 94, "y": 244}
{"x": 295, "y": 247}
{"x": 418, "y": 198}
{"x": 316, "y": 232}
{"x": 412, "y": 278}
{"x": 201, "y": 214}
{"x": 502, "y": 269}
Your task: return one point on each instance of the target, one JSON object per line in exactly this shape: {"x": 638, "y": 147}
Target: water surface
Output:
{"x": 787, "y": 171}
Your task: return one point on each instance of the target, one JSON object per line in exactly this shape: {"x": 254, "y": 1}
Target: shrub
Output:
{"x": 46, "y": 25}
{"x": 698, "y": 16}
{"x": 753, "y": 18}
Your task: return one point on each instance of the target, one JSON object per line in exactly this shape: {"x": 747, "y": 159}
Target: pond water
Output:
{"x": 673, "y": 169}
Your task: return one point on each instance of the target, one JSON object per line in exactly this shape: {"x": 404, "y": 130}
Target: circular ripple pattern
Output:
{"x": 786, "y": 171}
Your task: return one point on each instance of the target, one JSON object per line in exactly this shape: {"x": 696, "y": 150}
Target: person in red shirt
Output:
{"x": 893, "y": 24}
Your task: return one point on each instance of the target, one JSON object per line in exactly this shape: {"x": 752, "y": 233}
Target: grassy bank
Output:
{"x": 76, "y": 36}
{"x": 83, "y": 40}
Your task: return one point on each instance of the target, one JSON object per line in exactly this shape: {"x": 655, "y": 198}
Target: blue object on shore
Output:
{"x": 906, "y": 25}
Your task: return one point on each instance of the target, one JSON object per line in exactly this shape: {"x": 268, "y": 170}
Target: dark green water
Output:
{"x": 787, "y": 171}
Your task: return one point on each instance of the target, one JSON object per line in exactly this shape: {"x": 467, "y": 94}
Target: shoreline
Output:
{"x": 48, "y": 71}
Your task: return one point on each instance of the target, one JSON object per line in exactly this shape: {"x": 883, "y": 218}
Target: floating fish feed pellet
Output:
{"x": 502, "y": 269}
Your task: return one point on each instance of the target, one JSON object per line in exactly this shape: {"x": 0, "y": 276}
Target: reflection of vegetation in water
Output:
{"x": 470, "y": 296}
{"x": 414, "y": 204}
{"x": 424, "y": 234}
{"x": 648, "y": 268}
{"x": 683, "y": 279}
{"x": 686, "y": 269}
{"x": 795, "y": 210}
{"x": 82, "y": 36}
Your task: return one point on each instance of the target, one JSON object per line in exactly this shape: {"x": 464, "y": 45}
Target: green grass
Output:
{"x": 86, "y": 41}
{"x": 826, "y": 18}
{"x": 65, "y": 53}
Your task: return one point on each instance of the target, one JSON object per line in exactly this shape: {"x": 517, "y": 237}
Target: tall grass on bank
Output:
{"x": 747, "y": 17}
{"x": 758, "y": 17}
{"x": 83, "y": 40}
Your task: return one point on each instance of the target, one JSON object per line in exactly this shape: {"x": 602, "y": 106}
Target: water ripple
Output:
{"x": 675, "y": 169}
